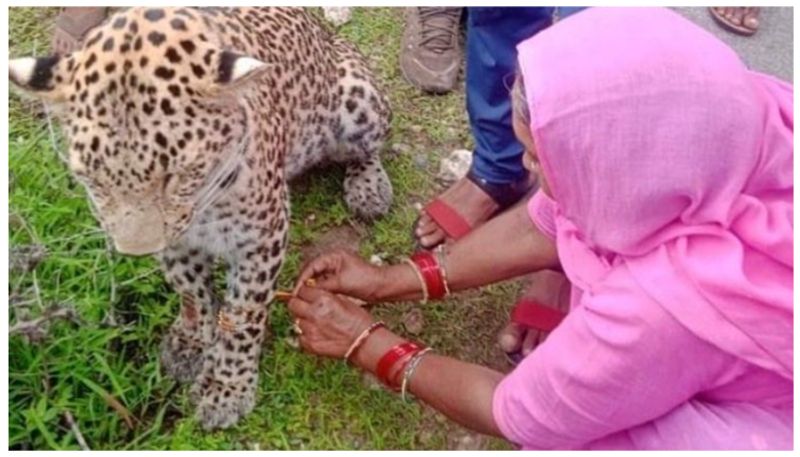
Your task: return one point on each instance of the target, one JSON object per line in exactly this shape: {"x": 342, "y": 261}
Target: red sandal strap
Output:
{"x": 453, "y": 224}
{"x": 534, "y": 315}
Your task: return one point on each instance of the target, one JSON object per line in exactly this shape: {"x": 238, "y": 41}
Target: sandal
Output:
{"x": 454, "y": 225}
{"x": 72, "y": 25}
{"x": 533, "y": 315}
{"x": 740, "y": 29}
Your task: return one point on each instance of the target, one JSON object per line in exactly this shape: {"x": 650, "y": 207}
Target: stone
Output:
{"x": 414, "y": 321}
{"x": 338, "y": 16}
{"x": 421, "y": 161}
{"x": 465, "y": 441}
{"x": 398, "y": 149}
{"x": 455, "y": 166}
{"x": 370, "y": 381}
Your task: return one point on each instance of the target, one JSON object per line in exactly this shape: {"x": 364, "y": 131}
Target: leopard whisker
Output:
{"x": 222, "y": 178}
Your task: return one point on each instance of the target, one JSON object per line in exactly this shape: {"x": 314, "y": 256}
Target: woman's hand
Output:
{"x": 343, "y": 272}
{"x": 328, "y": 324}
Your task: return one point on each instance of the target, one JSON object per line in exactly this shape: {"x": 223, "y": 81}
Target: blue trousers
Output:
{"x": 492, "y": 36}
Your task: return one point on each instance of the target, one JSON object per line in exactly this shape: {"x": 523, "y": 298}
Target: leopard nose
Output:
{"x": 139, "y": 232}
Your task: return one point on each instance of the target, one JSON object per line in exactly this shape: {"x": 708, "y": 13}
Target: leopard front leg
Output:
{"x": 189, "y": 271}
{"x": 363, "y": 126}
{"x": 226, "y": 389}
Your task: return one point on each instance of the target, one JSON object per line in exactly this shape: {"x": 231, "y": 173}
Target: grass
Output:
{"x": 103, "y": 369}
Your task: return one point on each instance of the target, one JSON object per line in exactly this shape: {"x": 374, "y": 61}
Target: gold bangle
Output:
{"x": 442, "y": 269}
{"x": 421, "y": 279}
{"x": 361, "y": 338}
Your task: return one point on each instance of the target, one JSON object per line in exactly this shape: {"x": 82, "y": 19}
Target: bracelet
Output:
{"x": 421, "y": 279}
{"x": 442, "y": 268}
{"x": 391, "y": 357}
{"x": 358, "y": 342}
{"x": 431, "y": 273}
{"x": 398, "y": 375}
{"x": 409, "y": 370}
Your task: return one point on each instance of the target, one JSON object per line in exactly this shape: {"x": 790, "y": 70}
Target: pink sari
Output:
{"x": 671, "y": 165}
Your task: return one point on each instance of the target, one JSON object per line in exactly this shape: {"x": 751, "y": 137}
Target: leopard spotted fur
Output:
{"x": 184, "y": 125}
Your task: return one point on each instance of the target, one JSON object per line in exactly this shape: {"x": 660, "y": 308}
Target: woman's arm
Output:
{"x": 505, "y": 247}
{"x": 461, "y": 391}
{"x": 329, "y": 324}
{"x": 618, "y": 361}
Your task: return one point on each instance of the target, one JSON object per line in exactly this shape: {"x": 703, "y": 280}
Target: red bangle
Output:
{"x": 391, "y": 357}
{"x": 428, "y": 267}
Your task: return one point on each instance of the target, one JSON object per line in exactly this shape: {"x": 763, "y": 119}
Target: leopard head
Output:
{"x": 153, "y": 111}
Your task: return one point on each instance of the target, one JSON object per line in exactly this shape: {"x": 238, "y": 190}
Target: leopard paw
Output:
{"x": 221, "y": 405}
{"x": 367, "y": 190}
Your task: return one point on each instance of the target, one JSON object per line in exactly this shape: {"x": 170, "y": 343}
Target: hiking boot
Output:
{"x": 431, "y": 50}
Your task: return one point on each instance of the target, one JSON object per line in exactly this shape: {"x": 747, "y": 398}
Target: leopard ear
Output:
{"x": 236, "y": 70}
{"x": 41, "y": 77}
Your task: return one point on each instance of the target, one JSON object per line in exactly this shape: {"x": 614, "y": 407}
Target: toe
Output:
{"x": 738, "y": 16}
{"x": 732, "y": 15}
{"x": 510, "y": 338}
{"x": 425, "y": 226}
{"x": 751, "y": 18}
{"x": 532, "y": 339}
{"x": 432, "y": 239}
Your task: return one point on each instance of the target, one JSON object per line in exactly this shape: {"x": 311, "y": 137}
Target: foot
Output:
{"x": 743, "y": 20}
{"x": 72, "y": 25}
{"x": 225, "y": 390}
{"x": 367, "y": 189}
{"x": 467, "y": 199}
{"x": 548, "y": 287}
{"x": 431, "y": 52}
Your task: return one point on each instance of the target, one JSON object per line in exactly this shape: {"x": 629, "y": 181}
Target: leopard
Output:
{"x": 185, "y": 126}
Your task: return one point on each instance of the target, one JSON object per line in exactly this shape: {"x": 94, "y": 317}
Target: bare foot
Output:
{"x": 466, "y": 198}
{"x": 547, "y": 287}
{"x": 740, "y": 19}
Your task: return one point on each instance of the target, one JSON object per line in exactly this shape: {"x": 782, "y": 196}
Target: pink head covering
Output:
{"x": 668, "y": 157}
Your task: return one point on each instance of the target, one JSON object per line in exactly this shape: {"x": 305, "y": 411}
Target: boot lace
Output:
{"x": 438, "y": 28}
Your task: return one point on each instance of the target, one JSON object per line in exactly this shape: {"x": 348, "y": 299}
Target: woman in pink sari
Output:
{"x": 667, "y": 202}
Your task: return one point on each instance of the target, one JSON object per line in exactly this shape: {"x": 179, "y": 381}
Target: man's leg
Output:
{"x": 497, "y": 177}
{"x": 497, "y": 160}
{"x": 492, "y": 37}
